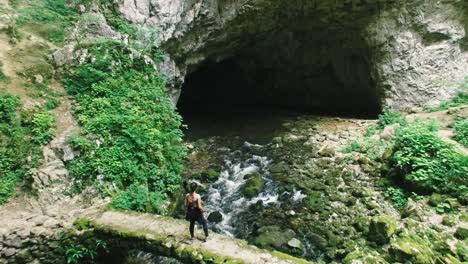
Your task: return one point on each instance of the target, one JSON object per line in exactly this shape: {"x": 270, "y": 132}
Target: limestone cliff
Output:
{"x": 396, "y": 53}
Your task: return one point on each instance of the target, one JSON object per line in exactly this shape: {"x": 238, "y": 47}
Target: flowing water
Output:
{"x": 226, "y": 195}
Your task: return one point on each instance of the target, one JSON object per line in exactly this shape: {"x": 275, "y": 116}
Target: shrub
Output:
{"x": 8, "y": 105}
{"x": 131, "y": 131}
{"x": 15, "y": 145}
{"x": 389, "y": 117}
{"x": 461, "y": 131}
{"x": 427, "y": 163}
{"x": 397, "y": 197}
{"x": 43, "y": 127}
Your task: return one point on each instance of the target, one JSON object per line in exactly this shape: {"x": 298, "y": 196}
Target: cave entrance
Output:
{"x": 328, "y": 73}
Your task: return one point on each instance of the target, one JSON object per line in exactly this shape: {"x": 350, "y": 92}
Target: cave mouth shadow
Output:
{"x": 242, "y": 92}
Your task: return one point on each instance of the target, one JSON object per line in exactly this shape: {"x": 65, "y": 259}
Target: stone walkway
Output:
{"x": 174, "y": 233}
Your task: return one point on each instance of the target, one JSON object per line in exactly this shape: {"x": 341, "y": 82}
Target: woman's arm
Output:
{"x": 200, "y": 205}
{"x": 186, "y": 201}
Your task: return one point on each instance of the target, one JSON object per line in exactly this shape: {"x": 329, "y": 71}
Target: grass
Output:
{"x": 48, "y": 18}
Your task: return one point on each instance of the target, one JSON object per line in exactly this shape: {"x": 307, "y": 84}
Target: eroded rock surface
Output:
{"x": 364, "y": 53}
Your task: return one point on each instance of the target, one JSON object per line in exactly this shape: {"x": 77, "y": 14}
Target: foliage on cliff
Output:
{"x": 130, "y": 136}
{"x": 21, "y": 134}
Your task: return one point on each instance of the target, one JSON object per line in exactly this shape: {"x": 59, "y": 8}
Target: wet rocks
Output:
{"x": 273, "y": 237}
{"x": 215, "y": 217}
{"x": 412, "y": 248}
{"x": 382, "y": 228}
{"x": 254, "y": 185}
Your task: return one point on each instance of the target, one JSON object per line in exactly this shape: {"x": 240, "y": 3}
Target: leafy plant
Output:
{"x": 80, "y": 253}
{"x": 389, "y": 117}
{"x": 131, "y": 131}
{"x": 426, "y": 162}
{"x": 461, "y": 131}
{"x": 397, "y": 197}
{"x": 43, "y": 128}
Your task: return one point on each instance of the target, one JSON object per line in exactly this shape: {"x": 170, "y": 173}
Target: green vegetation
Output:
{"x": 80, "y": 253}
{"x": 461, "y": 131}
{"x": 42, "y": 127}
{"x": 428, "y": 164}
{"x": 48, "y": 18}
{"x": 389, "y": 117}
{"x": 254, "y": 185}
{"x": 130, "y": 130}
{"x": 371, "y": 148}
{"x": 118, "y": 23}
{"x": 21, "y": 136}
{"x": 397, "y": 196}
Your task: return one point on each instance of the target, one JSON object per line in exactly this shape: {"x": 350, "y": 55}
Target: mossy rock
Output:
{"x": 381, "y": 228}
{"x": 449, "y": 220}
{"x": 464, "y": 217}
{"x": 461, "y": 233}
{"x": 210, "y": 175}
{"x": 254, "y": 185}
{"x": 462, "y": 250}
{"x": 273, "y": 237}
{"x": 315, "y": 201}
{"x": 437, "y": 199}
{"x": 364, "y": 257}
{"x": 412, "y": 248}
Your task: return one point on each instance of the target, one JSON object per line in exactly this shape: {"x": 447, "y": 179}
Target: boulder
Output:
{"x": 273, "y": 237}
{"x": 254, "y": 185}
{"x": 412, "y": 248}
{"x": 461, "y": 233}
{"x": 326, "y": 151}
{"x": 295, "y": 243}
{"x": 210, "y": 175}
{"x": 215, "y": 217}
{"x": 381, "y": 228}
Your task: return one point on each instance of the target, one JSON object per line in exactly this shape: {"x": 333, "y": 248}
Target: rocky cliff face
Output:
{"x": 346, "y": 53}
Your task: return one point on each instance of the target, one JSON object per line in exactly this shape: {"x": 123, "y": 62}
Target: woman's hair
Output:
{"x": 193, "y": 186}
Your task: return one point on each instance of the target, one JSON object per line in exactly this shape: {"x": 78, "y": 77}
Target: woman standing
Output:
{"x": 195, "y": 211}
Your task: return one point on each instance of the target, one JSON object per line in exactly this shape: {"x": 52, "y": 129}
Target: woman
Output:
{"x": 195, "y": 211}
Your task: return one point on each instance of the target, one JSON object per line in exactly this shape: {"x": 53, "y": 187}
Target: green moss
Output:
{"x": 254, "y": 185}
{"x": 82, "y": 224}
{"x": 284, "y": 256}
{"x": 449, "y": 220}
{"x": 382, "y": 228}
{"x": 364, "y": 256}
{"x": 315, "y": 201}
{"x": 210, "y": 175}
{"x": 462, "y": 250}
{"x": 419, "y": 247}
{"x": 464, "y": 217}
{"x": 273, "y": 237}
{"x": 461, "y": 233}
